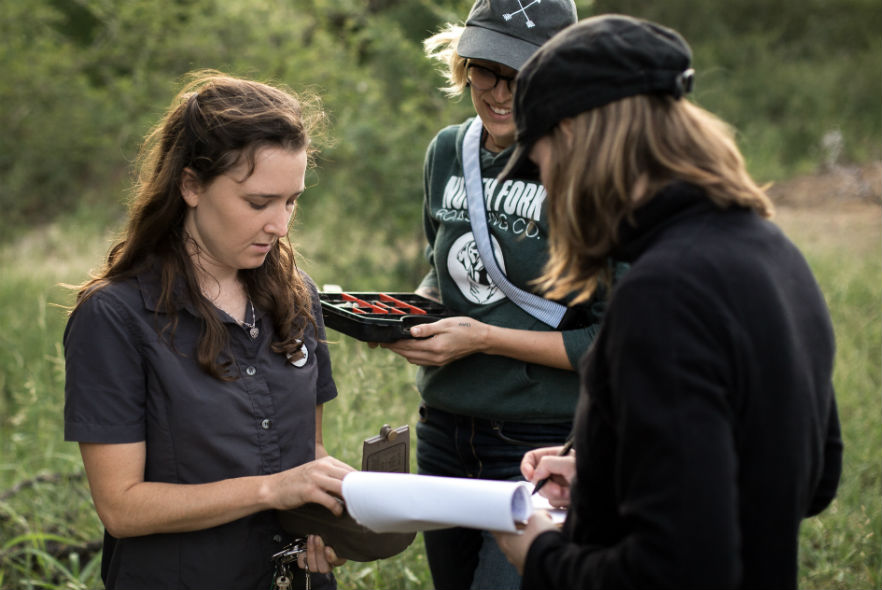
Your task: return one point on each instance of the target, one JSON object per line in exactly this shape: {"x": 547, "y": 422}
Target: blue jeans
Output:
{"x": 461, "y": 446}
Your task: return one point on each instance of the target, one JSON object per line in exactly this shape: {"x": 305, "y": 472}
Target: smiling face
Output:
{"x": 236, "y": 219}
{"x": 494, "y": 107}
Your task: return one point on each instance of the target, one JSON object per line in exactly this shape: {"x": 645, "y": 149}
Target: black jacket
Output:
{"x": 707, "y": 426}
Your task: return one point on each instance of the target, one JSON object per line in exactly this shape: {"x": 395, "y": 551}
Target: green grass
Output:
{"x": 48, "y": 528}
{"x": 841, "y": 547}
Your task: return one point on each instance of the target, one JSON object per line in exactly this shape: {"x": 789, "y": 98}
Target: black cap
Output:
{"x": 592, "y": 63}
{"x": 510, "y": 31}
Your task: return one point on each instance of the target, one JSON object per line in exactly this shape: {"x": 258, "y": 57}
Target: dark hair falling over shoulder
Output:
{"x": 213, "y": 123}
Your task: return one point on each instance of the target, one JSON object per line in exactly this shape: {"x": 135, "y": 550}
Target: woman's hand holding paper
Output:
{"x": 516, "y": 545}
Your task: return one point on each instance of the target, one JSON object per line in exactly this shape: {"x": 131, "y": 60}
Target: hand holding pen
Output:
{"x": 560, "y": 466}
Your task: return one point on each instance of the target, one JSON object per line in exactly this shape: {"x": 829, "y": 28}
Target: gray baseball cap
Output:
{"x": 600, "y": 60}
{"x": 510, "y": 31}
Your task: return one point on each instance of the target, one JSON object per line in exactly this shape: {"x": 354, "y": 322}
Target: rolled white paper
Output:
{"x": 405, "y": 502}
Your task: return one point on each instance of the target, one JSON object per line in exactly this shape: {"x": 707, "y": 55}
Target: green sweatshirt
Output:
{"x": 480, "y": 385}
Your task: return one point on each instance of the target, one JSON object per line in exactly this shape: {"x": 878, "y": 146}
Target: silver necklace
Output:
{"x": 253, "y": 330}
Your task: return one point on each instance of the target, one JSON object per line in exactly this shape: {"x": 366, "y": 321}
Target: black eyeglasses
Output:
{"x": 484, "y": 78}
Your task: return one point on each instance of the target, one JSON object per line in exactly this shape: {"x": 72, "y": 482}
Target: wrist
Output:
{"x": 267, "y": 499}
{"x": 485, "y": 339}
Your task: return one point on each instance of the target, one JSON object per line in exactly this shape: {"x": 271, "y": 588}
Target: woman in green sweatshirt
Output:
{"x": 495, "y": 381}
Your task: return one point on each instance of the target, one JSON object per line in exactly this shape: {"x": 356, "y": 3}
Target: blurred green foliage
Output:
{"x": 785, "y": 74}
{"x": 84, "y": 79}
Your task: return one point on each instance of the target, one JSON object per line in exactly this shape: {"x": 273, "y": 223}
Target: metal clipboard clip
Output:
{"x": 388, "y": 451}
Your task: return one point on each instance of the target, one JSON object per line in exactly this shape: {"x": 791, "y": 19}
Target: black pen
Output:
{"x": 563, "y": 451}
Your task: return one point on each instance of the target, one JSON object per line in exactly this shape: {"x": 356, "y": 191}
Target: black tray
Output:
{"x": 378, "y": 317}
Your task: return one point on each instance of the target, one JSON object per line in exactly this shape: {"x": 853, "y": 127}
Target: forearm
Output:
{"x": 320, "y": 450}
{"x": 129, "y": 506}
{"x": 541, "y": 348}
{"x": 450, "y": 339}
{"x": 152, "y": 507}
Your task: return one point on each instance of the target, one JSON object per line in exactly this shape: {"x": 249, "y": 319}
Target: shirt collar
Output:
{"x": 150, "y": 284}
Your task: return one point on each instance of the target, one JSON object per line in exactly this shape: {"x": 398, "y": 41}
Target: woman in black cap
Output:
{"x": 497, "y": 380}
{"x": 707, "y": 427}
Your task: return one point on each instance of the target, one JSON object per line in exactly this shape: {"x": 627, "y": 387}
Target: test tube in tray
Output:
{"x": 376, "y": 316}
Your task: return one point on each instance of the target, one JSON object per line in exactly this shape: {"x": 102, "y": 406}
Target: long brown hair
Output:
{"x": 213, "y": 123}
{"x": 615, "y": 158}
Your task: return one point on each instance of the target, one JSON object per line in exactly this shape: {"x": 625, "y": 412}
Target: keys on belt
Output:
{"x": 283, "y": 560}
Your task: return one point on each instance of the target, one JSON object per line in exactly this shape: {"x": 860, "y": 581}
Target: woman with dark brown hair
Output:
{"x": 707, "y": 426}
{"x": 196, "y": 367}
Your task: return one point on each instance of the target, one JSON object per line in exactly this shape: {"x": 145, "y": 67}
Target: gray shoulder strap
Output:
{"x": 542, "y": 309}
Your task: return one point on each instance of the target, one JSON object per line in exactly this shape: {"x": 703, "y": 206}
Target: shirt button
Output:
{"x": 250, "y": 371}
{"x": 266, "y": 423}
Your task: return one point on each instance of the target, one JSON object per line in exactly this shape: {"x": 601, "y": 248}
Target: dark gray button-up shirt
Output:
{"x": 127, "y": 383}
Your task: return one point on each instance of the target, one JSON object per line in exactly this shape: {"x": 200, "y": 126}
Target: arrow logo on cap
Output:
{"x": 530, "y": 23}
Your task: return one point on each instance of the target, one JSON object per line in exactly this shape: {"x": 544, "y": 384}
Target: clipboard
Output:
{"x": 388, "y": 450}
